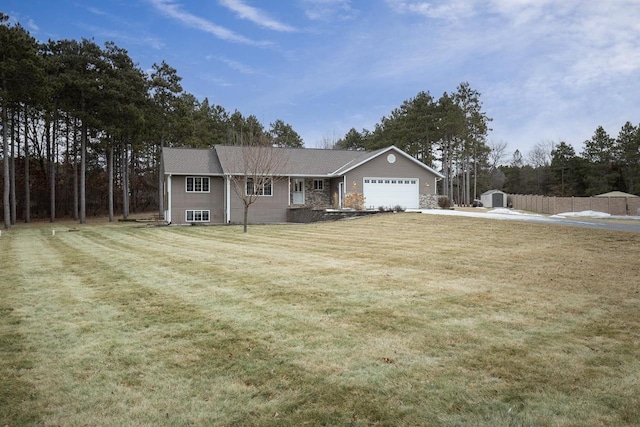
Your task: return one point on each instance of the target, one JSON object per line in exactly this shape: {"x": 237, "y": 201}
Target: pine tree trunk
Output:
{"x": 468, "y": 187}
{"x": 83, "y": 170}
{"x": 27, "y": 178}
{"x": 75, "y": 169}
{"x": 52, "y": 170}
{"x": 125, "y": 183}
{"x": 47, "y": 133}
{"x": 110, "y": 173}
{"x": 445, "y": 169}
{"x": 475, "y": 178}
{"x": 5, "y": 163}
{"x": 133, "y": 205}
{"x": 67, "y": 164}
{"x": 12, "y": 172}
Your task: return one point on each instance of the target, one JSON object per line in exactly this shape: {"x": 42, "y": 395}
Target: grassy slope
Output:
{"x": 399, "y": 319}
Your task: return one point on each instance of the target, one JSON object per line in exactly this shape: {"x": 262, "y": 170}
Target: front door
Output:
{"x": 298, "y": 191}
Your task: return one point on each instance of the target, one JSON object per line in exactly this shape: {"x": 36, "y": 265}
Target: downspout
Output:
{"x": 167, "y": 215}
{"x": 228, "y": 199}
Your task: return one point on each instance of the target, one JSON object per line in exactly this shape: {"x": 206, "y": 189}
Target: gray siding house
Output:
{"x": 198, "y": 182}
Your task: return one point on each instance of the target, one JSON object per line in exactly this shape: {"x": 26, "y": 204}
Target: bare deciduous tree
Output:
{"x": 540, "y": 154}
{"x": 256, "y": 170}
{"x": 496, "y": 155}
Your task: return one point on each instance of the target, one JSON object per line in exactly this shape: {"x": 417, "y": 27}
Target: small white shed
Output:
{"x": 494, "y": 199}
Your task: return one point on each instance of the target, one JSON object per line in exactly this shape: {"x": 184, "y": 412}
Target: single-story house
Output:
{"x": 198, "y": 183}
{"x": 494, "y": 199}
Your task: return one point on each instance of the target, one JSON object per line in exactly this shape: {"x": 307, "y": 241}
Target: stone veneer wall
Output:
{"x": 429, "y": 201}
{"x": 317, "y": 198}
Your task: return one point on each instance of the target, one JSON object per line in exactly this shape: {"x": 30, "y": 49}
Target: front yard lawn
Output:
{"x": 403, "y": 319}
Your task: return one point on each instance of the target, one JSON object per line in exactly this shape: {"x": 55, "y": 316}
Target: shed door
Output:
{"x": 391, "y": 192}
{"x": 496, "y": 200}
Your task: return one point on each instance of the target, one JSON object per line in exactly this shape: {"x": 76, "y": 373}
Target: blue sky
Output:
{"x": 548, "y": 70}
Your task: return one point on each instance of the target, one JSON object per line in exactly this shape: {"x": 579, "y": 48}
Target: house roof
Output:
{"x": 228, "y": 159}
{"x": 370, "y": 155}
{"x": 195, "y": 161}
{"x": 616, "y": 194}
{"x": 294, "y": 161}
{"x": 486, "y": 193}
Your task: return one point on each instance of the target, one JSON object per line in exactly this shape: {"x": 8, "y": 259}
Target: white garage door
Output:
{"x": 391, "y": 192}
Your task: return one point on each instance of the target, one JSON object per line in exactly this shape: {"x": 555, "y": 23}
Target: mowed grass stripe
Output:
{"x": 137, "y": 300}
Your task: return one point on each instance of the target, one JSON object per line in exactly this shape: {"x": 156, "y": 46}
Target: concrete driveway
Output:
{"x": 588, "y": 219}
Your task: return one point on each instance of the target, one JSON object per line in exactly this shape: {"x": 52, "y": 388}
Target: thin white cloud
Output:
{"x": 327, "y": 10}
{"x": 98, "y": 12}
{"x": 452, "y": 10}
{"x": 173, "y": 10}
{"x": 31, "y": 25}
{"x": 138, "y": 40}
{"x": 256, "y": 16}
{"x": 235, "y": 65}
{"x": 216, "y": 80}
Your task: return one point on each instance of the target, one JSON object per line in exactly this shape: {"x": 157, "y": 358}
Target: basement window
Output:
{"x": 197, "y": 184}
{"x": 197, "y": 215}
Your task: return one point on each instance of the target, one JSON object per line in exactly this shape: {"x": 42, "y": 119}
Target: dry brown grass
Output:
{"x": 402, "y": 319}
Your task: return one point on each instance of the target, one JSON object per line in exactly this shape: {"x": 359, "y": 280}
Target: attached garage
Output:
{"x": 391, "y": 192}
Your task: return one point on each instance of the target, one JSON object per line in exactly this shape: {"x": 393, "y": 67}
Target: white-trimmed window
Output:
{"x": 318, "y": 184}
{"x": 266, "y": 189}
{"x": 197, "y": 184}
{"x": 192, "y": 215}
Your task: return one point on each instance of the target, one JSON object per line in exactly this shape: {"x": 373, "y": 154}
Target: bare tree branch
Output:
{"x": 256, "y": 169}
{"x": 496, "y": 155}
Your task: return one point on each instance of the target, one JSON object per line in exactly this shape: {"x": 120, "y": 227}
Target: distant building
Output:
{"x": 494, "y": 199}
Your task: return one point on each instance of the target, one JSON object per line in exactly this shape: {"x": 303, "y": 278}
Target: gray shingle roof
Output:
{"x": 227, "y": 159}
{"x": 298, "y": 161}
{"x": 194, "y": 161}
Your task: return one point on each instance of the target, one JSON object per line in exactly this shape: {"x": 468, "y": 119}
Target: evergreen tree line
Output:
{"x": 448, "y": 134}
{"x": 605, "y": 164}
{"x": 83, "y": 128}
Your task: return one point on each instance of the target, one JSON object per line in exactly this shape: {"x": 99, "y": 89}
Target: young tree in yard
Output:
{"x": 257, "y": 168}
